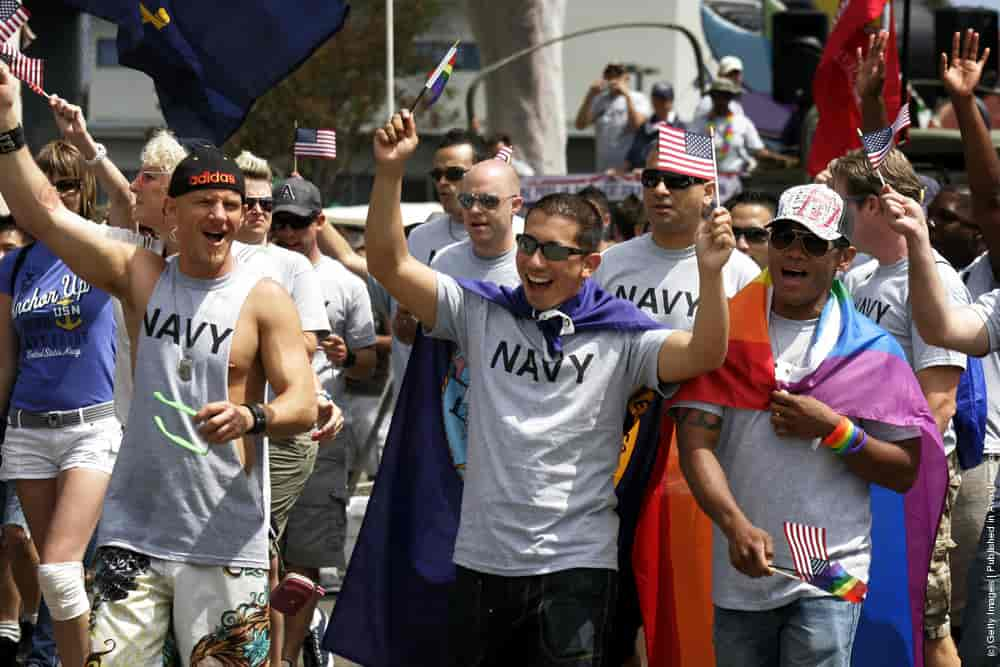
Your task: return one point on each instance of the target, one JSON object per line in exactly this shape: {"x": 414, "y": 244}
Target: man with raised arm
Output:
{"x": 552, "y": 364}
{"x": 183, "y": 537}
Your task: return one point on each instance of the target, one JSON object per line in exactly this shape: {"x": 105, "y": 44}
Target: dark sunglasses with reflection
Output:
{"x": 651, "y": 178}
{"x": 266, "y": 203}
{"x": 67, "y": 185}
{"x": 783, "y": 236}
{"x": 453, "y": 174}
{"x": 753, "y": 235}
{"x": 296, "y": 222}
{"x": 489, "y": 202}
{"x": 556, "y": 252}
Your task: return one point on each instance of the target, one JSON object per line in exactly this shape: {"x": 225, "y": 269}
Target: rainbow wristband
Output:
{"x": 861, "y": 442}
{"x": 840, "y": 437}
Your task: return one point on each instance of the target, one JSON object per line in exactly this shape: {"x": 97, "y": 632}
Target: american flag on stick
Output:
{"x": 685, "y": 153}
{"x": 878, "y": 143}
{"x": 12, "y": 17}
{"x": 505, "y": 154}
{"x": 315, "y": 143}
{"x": 24, "y": 68}
{"x": 808, "y": 547}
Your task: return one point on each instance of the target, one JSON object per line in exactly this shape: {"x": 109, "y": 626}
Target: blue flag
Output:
{"x": 211, "y": 60}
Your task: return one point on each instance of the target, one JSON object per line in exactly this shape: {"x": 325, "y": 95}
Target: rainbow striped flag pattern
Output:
{"x": 439, "y": 77}
{"x": 831, "y": 577}
{"x": 850, "y": 365}
{"x": 813, "y": 565}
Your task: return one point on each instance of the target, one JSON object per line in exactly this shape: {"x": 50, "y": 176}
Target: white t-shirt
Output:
{"x": 294, "y": 272}
{"x": 612, "y": 134}
{"x": 544, "y": 436}
{"x": 883, "y": 294}
{"x": 664, "y": 283}
{"x": 776, "y": 479}
{"x": 349, "y": 315}
{"x": 979, "y": 280}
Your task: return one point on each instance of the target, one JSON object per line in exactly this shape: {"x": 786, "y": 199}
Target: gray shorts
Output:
{"x": 13, "y": 514}
{"x": 317, "y": 526}
{"x": 291, "y": 463}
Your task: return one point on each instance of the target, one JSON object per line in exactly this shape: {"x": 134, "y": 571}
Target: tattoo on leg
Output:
{"x": 699, "y": 418}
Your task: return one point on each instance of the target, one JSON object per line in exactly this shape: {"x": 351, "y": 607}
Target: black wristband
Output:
{"x": 12, "y": 140}
{"x": 259, "y": 418}
{"x": 350, "y": 359}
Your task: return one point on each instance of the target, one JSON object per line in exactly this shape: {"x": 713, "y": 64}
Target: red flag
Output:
{"x": 833, "y": 86}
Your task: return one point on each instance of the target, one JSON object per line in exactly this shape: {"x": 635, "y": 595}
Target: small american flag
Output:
{"x": 879, "y": 143}
{"x": 808, "y": 547}
{"x": 24, "y": 68}
{"x": 315, "y": 143}
{"x": 12, "y": 17}
{"x": 685, "y": 153}
{"x": 505, "y": 154}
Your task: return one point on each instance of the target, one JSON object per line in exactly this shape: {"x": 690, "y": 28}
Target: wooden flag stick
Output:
{"x": 715, "y": 166}
{"x": 873, "y": 168}
{"x": 783, "y": 572}
{"x": 295, "y": 157}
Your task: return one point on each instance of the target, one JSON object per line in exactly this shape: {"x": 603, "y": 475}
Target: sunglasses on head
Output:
{"x": 67, "y": 185}
{"x": 489, "y": 202}
{"x": 753, "y": 235}
{"x": 282, "y": 220}
{"x": 783, "y": 237}
{"x": 556, "y": 252}
{"x": 651, "y": 178}
{"x": 266, "y": 203}
{"x": 453, "y": 174}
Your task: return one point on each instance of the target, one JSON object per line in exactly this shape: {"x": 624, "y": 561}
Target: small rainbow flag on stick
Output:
{"x": 439, "y": 77}
{"x": 813, "y": 565}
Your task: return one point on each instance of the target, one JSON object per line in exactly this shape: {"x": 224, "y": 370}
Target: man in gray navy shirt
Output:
{"x": 538, "y": 532}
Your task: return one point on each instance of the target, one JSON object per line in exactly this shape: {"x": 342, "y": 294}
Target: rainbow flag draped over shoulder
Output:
{"x": 858, "y": 370}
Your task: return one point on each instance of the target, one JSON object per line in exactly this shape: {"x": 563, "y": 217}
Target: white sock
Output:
{"x": 10, "y": 630}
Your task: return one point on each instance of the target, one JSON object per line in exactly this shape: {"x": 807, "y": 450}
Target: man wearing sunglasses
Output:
{"x": 753, "y": 469}
{"x": 657, "y": 271}
{"x": 881, "y": 291}
{"x": 751, "y": 213}
{"x": 550, "y": 378}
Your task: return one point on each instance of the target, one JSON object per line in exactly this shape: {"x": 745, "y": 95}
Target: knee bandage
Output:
{"x": 63, "y": 589}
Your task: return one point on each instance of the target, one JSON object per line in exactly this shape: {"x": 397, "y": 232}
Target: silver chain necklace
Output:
{"x": 185, "y": 364}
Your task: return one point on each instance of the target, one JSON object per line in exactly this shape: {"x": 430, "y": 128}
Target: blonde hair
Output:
{"x": 163, "y": 151}
{"x": 61, "y": 159}
{"x": 253, "y": 166}
{"x": 853, "y": 168}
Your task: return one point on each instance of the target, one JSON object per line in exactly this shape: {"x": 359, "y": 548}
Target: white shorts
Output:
{"x": 43, "y": 453}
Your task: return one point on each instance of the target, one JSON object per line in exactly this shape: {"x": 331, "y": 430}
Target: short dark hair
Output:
{"x": 627, "y": 215}
{"x": 768, "y": 201}
{"x": 458, "y": 137}
{"x": 578, "y": 209}
{"x": 596, "y": 196}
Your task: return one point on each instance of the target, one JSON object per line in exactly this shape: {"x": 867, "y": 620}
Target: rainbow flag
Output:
{"x": 439, "y": 77}
{"x": 850, "y": 366}
{"x": 831, "y": 577}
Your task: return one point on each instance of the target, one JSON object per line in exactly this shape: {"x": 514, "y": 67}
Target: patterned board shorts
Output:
{"x": 937, "y": 609}
{"x": 148, "y": 611}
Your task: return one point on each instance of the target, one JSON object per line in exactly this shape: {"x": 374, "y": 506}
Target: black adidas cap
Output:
{"x": 206, "y": 168}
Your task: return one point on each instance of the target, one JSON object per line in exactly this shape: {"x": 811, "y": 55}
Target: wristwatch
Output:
{"x": 12, "y": 140}
{"x": 101, "y": 153}
{"x": 259, "y": 418}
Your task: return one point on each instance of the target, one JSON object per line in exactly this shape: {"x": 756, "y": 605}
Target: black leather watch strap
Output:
{"x": 259, "y": 418}
{"x": 12, "y": 140}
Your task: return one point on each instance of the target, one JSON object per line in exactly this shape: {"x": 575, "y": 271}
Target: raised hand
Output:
{"x": 871, "y": 66}
{"x": 69, "y": 119}
{"x": 907, "y": 218}
{"x": 396, "y": 141}
{"x": 961, "y": 75}
{"x": 714, "y": 241}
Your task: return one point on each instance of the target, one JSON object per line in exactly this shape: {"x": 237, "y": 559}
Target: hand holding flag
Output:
{"x": 396, "y": 141}
{"x": 24, "y": 68}
{"x": 813, "y": 564}
{"x": 878, "y": 143}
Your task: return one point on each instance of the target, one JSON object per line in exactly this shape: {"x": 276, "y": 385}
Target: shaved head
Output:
{"x": 491, "y": 230}
{"x": 497, "y": 173}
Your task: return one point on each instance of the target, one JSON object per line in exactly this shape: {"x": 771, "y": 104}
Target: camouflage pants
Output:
{"x": 937, "y": 619}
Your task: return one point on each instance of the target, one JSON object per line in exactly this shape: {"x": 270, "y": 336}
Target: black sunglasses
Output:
{"x": 783, "y": 237}
{"x": 296, "y": 222}
{"x": 453, "y": 174}
{"x": 266, "y": 203}
{"x": 753, "y": 235}
{"x": 67, "y": 185}
{"x": 551, "y": 250}
{"x": 651, "y": 178}
{"x": 489, "y": 202}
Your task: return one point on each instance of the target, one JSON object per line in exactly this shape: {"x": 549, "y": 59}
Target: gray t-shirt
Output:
{"x": 612, "y": 135}
{"x": 460, "y": 261}
{"x": 979, "y": 279}
{"x": 883, "y": 294}
{"x": 349, "y": 314}
{"x": 775, "y": 479}
{"x": 664, "y": 283}
{"x": 544, "y": 436}
{"x": 294, "y": 272}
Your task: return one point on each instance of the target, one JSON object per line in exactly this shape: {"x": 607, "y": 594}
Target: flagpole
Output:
{"x": 295, "y": 157}
{"x": 781, "y": 571}
{"x": 390, "y": 65}
{"x": 872, "y": 167}
{"x": 715, "y": 166}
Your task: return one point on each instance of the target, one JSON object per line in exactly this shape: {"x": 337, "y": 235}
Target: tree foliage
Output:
{"x": 341, "y": 86}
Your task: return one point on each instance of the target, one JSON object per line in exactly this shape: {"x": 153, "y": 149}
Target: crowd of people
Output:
{"x": 172, "y": 461}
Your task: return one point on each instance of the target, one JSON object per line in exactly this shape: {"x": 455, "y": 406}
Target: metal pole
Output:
{"x": 390, "y": 65}
{"x": 904, "y": 66}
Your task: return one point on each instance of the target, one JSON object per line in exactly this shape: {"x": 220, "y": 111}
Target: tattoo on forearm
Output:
{"x": 699, "y": 418}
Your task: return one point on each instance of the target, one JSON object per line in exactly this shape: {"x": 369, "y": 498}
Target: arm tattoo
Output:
{"x": 699, "y": 418}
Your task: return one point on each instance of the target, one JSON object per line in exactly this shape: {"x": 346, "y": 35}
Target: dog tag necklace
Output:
{"x": 185, "y": 367}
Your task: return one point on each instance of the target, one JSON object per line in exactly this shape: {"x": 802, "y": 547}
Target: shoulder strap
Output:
{"x": 22, "y": 254}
